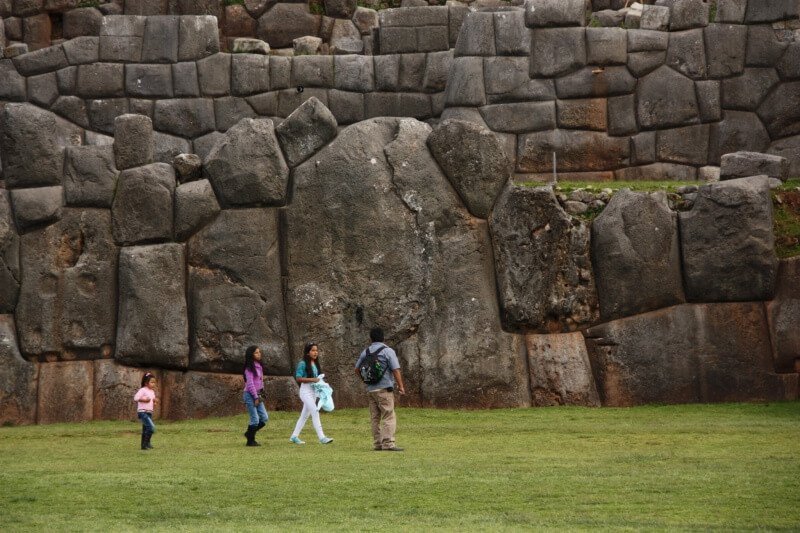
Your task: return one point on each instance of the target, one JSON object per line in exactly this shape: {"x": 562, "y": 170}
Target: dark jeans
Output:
{"x": 147, "y": 422}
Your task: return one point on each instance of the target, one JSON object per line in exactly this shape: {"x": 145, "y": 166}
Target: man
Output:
{"x": 381, "y": 394}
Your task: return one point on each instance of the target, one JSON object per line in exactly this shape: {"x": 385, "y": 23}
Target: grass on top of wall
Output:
{"x": 704, "y": 467}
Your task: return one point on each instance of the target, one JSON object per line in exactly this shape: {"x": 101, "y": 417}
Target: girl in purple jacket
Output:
{"x": 253, "y": 392}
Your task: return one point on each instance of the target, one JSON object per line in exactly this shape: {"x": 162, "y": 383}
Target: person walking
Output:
{"x": 252, "y": 395}
{"x": 145, "y": 399}
{"x": 379, "y": 368}
{"x": 307, "y": 373}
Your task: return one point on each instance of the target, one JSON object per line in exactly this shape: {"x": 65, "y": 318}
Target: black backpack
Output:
{"x": 371, "y": 368}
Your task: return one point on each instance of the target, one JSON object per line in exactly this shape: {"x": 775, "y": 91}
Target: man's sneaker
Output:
{"x": 296, "y": 440}
{"x": 325, "y": 440}
{"x": 393, "y": 449}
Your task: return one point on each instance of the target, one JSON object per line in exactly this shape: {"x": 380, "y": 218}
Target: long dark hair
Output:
{"x": 146, "y": 378}
{"x": 307, "y": 359}
{"x": 249, "y": 362}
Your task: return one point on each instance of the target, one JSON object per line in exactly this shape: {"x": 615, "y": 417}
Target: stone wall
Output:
{"x": 151, "y": 219}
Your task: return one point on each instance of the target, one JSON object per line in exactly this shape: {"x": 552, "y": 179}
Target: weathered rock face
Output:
{"x": 478, "y": 178}
{"x": 543, "y": 265}
{"x": 68, "y": 292}
{"x": 306, "y": 130}
{"x": 17, "y": 378}
{"x": 727, "y": 242}
{"x": 114, "y": 388}
{"x": 195, "y": 206}
{"x": 687, "y": 353}
{"x": 200, "y": 395}
{"x": 404, "y": 280}
{"x": 66, "y": 392}
{"x": 90, "y": 176}
{"x": 235, "y": 292}
{"x": 246, "y": 166}
{"x": 9, "y": 257}
{"x": 32, "y": 145}
{"x": 784, "y": 316}
{"x": 636, "y": 255}
{"x": 153, "y": 324}
{"x": 36, "y": 206}
{"x": 560, "y": 371}
{"x": 142, "y": 207}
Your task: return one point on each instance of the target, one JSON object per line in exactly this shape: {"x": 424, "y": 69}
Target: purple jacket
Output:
{"x": 254, "y": 382}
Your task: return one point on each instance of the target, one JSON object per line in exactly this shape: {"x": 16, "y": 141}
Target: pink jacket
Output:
{"x": 144, "y": 398}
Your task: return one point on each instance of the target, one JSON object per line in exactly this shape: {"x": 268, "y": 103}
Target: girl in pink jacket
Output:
{"x": 145, "y": 399}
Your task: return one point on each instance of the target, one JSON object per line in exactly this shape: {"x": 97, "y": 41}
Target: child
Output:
{"x": 308, "y": 372}
{"x": 145, "y": 399}
{"x": 253, "y": 389}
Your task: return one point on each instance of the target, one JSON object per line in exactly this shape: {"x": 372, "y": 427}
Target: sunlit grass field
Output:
{"x": 694, "y": 467}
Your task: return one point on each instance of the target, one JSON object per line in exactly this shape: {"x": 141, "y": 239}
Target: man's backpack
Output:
{"x": 371, "y": 368}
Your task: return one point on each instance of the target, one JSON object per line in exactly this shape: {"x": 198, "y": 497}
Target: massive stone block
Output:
{"x": 114, "y": 388}
{"x": 636, "y": 255}
{"x": 249, "y": 74}
{"x": 40, "y": 61}
{"x": 153, "y": 327}
{"x": 546, "y": 13}
{"x": 9, "y": 257}
{"x": 589, "y": 82}
{"x": 235, "y": 292}
{"x": 511, "y": 36}
{"x": 66, "y": 392}
{"x": 520, "y": 117}
{"x": 688, "y": 353}
{"x": 197, "y": 37}
{"x": 17, "y": 379}
{"x": 746, "y": 164}
{"x": 161, "y": 39}
{"x": 477, "y": 36}
{"x": 425, "y": 303}
{"x": 305, "y": 131}
{"x": 687, "y": 145}
{"x": 687, "y": 54}
{"x": 576, "y": 151}
{"x": 747, "y": 91}
{"x": 36, "y": 206}
{"x": 142, "y": 207}
{"x": 133, "y": 141}
{"x": 286, "y": 22}
{"x": 246, "y": 166}
{"x": 465, "y": 83}
{"x": 725, "y": 46}
{"x": 738, "y": 131}
{"x": 199, "y": 394}
{"x": 557, "y": 51}
{"x": 68, "y": 290}
{"x": 186, "y": 117}
{"x": 12, "y": 83}
{"x": 473, "y": 160}
{"x": 727, "y": 242}
{"x": 784, "y": 314}
{"x": 790, "y": 149}
{"x": 542, "y": 259}
{"x": 560, "y": 371}
{"x": 771, "y": 11}
{"x": 195, "y": 206}
{"x": 658, "y": 108}
{"x": 32, "y": 145}
{"x": 780, "y": 111}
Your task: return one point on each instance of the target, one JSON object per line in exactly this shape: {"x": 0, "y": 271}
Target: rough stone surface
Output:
{"x": 190, "y": 395}
{"x": 66, "y": 392}
{"x": 188, "y": 167}
{"x": 520, "y": 117}
{"x": 235, "y": 292}
{"x": 746, "y": 164}
{"x": 727, "y": 243}
{"x": 189, "y": 117}
{"x": 69, "y": 288}
{"x": 142, "y": 208}
{"x": 195, "y": 206}
{"x": 214, "y": 75}
{"x": 426, "y": 306}
{"x": 37, "y": 206}
{"x": 310, "y": 127}
{"x": 588, "y": 114}
{"x": 687, "y": 54}
{"x": 783, "y": 313}
{"x": 82, "y": 50}
{"x": 473, "y": 160}
{"x": 103, "y": 112}
{"x": 542, "y": 258}
{"x": 133, "y": 141}
{"x": 228, "y": 111}
{"x": 160, "y": 43}
{"x": 285, "y": 22}
{"x": 560, "y": 372}
{"x": 17, "y": 379}
{"x": 114, "y": 387}
{"x": 81, "y": 22}
{"x": 558, "y": 51}
{"x": 589, "y": 82}
{"x": 725, "y": 46}
{"x": 636, "y": 255}
{"x": 687, "y": 145}
{"x": 249, "y": 74}
{"x": 738, "y": 131}
{"x": 32, "y": 145}
{"x": 576, "y": 151}
{"x": 153, "y": 324}
{"x": 465, "y": 84}
{"x": 9, "y": 257}
{"x": 687, "y": 14}
{"x": 688, "y": 353}
{"x": 658, "y": 108}
{"x": 790, "y": 149}
{"x": 12, "y": 83}
{"x": 546, "y": 13}
{"x": 771, "y": 11}
{"x": 90, "y": 176}
{"x": 747, "y": 91}
{"x": 780, "y": 111}
{"x": 197, "y": 37}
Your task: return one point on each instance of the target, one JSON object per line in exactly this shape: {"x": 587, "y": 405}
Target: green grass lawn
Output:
{"x": 709, "y": 467}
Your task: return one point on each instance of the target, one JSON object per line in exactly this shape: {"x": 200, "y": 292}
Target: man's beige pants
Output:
{"x": 381, "y": 409}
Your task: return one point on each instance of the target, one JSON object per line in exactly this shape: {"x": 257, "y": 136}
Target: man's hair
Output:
{"x": 376, "y": 334}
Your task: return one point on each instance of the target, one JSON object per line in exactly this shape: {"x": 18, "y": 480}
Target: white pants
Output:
{"x": 309, "y": 409}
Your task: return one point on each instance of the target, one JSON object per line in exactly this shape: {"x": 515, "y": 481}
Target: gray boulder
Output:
{"x": 68, "y": 285}
{"x": 731, "y": 11}
{"x": 790, "y": 149}
{"x": 186, "y": 117}
{"x": 198, "y": 37}
{"x": 37, "y": 206}
{"x": 142, "y": 207}
{"x": 235, "y": 292}
{"x": 32, "y": 145}
{"x": 725, "y": 48}
{"x": 576, "y": 151}
{"x": 153, "y": 324}
{"x": 738, "y": 131}
{"x": 636, "y": 255}
{"x": 560, "y": 371}
{"x": 82, "y": 50}
{"x": 285, "y": 22}
{"x": 686, "y": 14}
{"x": 90, "y": 176}
{"x": 133, "y": 141}
{"x": 477, "y": 36}
{"x": 310, "y": 127}
{"x": 746, "y": 91}
{"x": 746, "y": 164}
{"x": 688, "y": 145}
{"x": 188, "y": 167}
{"x": 9, "y": 257}
{"x": 473, "y": 160}
{"x": 728, "y": 244}
{"x": 195, "y": 206}
{"x": 246, "y": 166}
{"x": 780, "y": 111}
{"x": 18, "y": 393}
{"x": 546, "y": 13}
{"x": 249, "y": 74}
{"x": 40, "y": 61}
{"x": 542, "y": 259}
{"x": 12, "y": 83}
{"x": 654, "y": 18}
{"x": 81, "y": 22}
{"x": 558, "y": 51}
{"x": 784, "y": 313}
{"x": 657, "y": 108}
{"x": 465, "y": 85}
{"x": 688, "y": 353}
{"x": 687, "y": 53}
{"x": 771, "y": 11}
{"x": 606, "y": 46}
